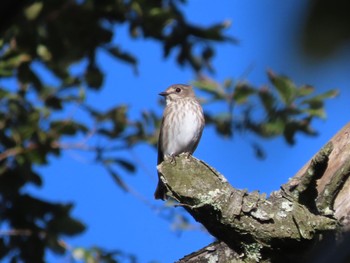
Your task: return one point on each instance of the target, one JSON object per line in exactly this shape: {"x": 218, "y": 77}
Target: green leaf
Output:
{"x": 222, "y": 124}
{"x": 94, "y": 77}
{"x": 228, "y": 84}
{"x": 209, "y": 86}
{"x": 122, "y": 55}
{"x": 316, "y": 112}
{"x": 126, "y": 165}
{"x": 268, "y": 100}
{"x": 326, "y": 95}
{"x": 273, "y": 128}
{"x": 79, "y": 253}
{"x": 54, "y": 244}
{"x": 316, "y": 103}
{"x": 44, "y": 52}
{"x": 117, "y": 179}
{"x": 284, "y": 86}
{"x": 259, "y": 151}
{"x": 27, "y": 75}
{"x": 305, "y": 90}
{"x": 33, "y": 10}
{"x": 242, "y": 92}
{"x": 295, "y": 126}
{"x": 65, "y": 225}
{"x": 208, "y": 53}
{"x": 67, "y": 127}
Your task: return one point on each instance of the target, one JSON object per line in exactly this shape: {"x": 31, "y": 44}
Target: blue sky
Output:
{"x": 268, "y": 33}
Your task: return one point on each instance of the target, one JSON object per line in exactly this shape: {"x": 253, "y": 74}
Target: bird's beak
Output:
{"x": 164, "y": 93}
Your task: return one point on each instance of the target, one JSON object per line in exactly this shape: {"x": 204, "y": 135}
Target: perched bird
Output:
{"x": 181, "y": 128}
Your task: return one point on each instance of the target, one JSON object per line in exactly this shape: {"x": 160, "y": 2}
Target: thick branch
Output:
{"x": 247, "y": 222}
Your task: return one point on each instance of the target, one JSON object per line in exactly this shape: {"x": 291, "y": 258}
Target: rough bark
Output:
{"x": 308, "y": 214}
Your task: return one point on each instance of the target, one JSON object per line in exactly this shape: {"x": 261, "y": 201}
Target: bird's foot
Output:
{"x": 171, "y": 158}
{"x": 188, "y": 154}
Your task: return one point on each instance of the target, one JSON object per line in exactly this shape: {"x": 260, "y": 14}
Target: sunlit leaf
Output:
{"x": 33, "y": 10}
{"x": 316, "y": 112}
{"x": 273, "y": 128}
{"x": 326, "y": 95}
{"x": 242, "y": 92}
{"x": 285, "y": 87}
{"x": 305, "y": 90}
{"x": 44, "y": 52}
{"x": 208, "y": 86}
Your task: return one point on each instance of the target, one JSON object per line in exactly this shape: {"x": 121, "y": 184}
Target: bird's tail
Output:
{"x": 161, "y": 190}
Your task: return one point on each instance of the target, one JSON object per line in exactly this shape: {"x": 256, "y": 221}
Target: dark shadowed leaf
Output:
{"x": 94, "y": 77}
{"x": 268, "y": 100}
{"x": 122, "y": 55}
{"x": 298, "y": 126}
{"x": 54, "y": 244}
{"x": 259, "y": 151}
{"x": 126, "y": 165}
{"x": 242, "y": 92}
{"x": 222, "y": 123}
{"x": 53, "y": 102}
{"x": 117, "y": 179}
{"x": 27, "y": 76}
{"x": 35, "y": 178}
{"x": 65, "y": 225}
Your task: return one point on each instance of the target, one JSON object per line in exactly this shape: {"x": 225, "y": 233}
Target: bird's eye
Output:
{"x": 178, "y": 90}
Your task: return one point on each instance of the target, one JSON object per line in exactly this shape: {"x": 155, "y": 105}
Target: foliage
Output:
{"x": 285, "y": 109}
{"x": 40, "y": 38}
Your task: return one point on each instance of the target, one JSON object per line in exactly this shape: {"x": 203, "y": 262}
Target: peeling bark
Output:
{"x": 290, "y": 225}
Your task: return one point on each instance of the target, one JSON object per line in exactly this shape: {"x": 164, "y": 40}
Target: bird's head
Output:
{"x": 177, "y": 91}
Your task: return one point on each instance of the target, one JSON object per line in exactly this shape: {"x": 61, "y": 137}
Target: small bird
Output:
{"x": 181, "y": 128}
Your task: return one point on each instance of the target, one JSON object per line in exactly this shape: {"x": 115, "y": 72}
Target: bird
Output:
{"x": 181, "y": 127}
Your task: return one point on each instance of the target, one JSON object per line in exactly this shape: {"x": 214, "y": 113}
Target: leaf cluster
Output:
{"x": 279, "y": 109}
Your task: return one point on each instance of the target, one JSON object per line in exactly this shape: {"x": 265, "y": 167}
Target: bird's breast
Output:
{"x": 182, "y": 128}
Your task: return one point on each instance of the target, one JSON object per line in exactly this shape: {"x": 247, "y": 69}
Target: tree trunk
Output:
{"x": 305, "y": 221}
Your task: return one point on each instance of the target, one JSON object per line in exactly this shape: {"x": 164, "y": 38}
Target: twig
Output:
{"x": 16, "y": 232}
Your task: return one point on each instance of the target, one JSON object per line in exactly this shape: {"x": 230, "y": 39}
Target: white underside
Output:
{"x": 184, "y": 136}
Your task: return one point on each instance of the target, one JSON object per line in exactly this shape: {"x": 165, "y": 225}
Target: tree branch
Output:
{"x": 248, "y": 223}
{"x": 296, "y": 223}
